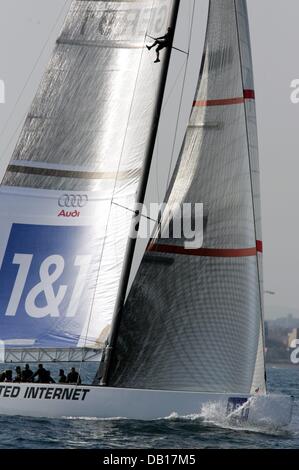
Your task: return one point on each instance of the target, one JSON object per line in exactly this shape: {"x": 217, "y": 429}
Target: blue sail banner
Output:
{"x": 42, "y": 278}
{"x": 50, "y": 254}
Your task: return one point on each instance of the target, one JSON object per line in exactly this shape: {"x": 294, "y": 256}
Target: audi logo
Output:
{"x": 73, "y": 200}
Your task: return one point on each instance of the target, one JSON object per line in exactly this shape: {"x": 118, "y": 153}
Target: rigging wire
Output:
{"x": 180, "y": 50}
{"x": 184, "y": 66}
{"x": 116, "y": 180}
{"x": 182, "y": 94}
{"x": 137, "y": 213}
{"x": 164, "y": 105}
{"x": 166, "y": 101}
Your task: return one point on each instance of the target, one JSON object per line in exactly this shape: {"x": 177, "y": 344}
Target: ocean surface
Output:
{"x": 198, "y": 431}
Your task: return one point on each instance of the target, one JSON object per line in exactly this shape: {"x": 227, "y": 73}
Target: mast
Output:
{"x": 108, "y": 353}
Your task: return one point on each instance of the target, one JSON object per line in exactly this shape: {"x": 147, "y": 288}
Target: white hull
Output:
{"x": 58, "y": 401}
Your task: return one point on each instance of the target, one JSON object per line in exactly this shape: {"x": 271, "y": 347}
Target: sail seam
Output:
{"x": 89, "y": 175}
{"x": 100, "y": 44}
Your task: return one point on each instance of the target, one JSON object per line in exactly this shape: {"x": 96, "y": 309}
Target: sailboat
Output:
{"x": 173, "y": 328}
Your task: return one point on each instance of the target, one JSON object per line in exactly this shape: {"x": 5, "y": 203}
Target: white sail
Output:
{"x": 67, "y": 197}
{"x": 197, "y": 313}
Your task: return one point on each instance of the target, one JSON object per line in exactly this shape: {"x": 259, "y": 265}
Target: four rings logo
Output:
{"x": 73, "y": 201}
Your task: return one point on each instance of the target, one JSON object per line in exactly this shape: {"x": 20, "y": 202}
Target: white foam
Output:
{"x": 84, "y": 418}
{"x": 215, "y": 413}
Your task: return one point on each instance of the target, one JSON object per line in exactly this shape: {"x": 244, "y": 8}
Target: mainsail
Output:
{"x": 193, "y": 319}
{"x": 67, "y": 196}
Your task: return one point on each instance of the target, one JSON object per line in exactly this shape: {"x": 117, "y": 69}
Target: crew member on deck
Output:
{"x": 162, "y": 42}
{"x": 8, "y": 376}
{"x": 48, "y": 378}
{"x": 27, "y": 374}
{"x": 18, "y": 377}
{"x": 62, "y": 377}
{"x": 41, "y": 374}
{"x": 2, "y": 376}
{"x": 73, "y": 377}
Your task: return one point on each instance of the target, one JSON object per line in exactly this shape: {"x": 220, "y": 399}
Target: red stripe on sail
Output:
{"x": 222, "y": 102}
{"x": 247, "y": 95}
{"x": 259, "y": 246}
{"x": 209, "y": 252}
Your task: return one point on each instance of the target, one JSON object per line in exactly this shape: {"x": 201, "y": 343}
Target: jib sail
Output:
{"x": 67, "y": 196}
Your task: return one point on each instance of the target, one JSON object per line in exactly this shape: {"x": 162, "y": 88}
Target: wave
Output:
{"x": 90, "y": 418}
{"x": 215, "y": 414}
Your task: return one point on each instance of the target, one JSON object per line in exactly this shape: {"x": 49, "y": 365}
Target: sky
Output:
{"x": 28, "y": 29}
{"x": 274, "y": 36}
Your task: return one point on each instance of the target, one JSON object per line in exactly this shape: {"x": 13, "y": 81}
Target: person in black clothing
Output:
{"x": 48, "y": 378}
{"x": 8, "y": 376}
{"x": 162, "y": 42}
{"x": 62, "y": 377}
{"x": 41, "y": 375}
{"x": 73, "y": 377}
{"x": 18, "y": 377}
{"x": 27, "y": 374}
